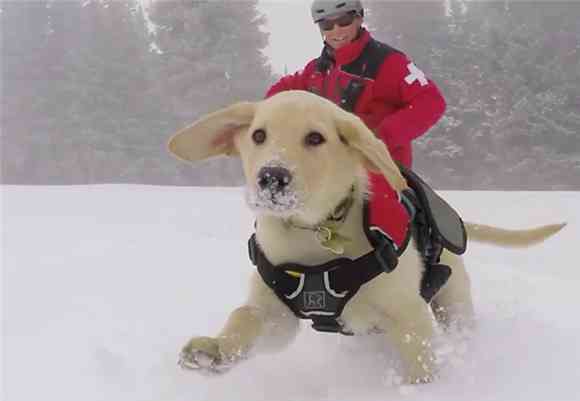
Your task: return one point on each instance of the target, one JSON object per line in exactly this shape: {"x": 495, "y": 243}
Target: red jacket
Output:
{"x": 399, "y": 105}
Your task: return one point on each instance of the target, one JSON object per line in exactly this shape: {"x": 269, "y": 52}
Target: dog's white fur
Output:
{"x": 322, "y": 176}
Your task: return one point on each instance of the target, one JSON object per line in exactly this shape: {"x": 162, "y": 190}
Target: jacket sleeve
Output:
{"x": 419, "y": 102}
{"x": 296, "y": 81}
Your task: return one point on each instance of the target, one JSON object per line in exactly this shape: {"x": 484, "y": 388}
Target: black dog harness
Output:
{"x": 321, "y": 292}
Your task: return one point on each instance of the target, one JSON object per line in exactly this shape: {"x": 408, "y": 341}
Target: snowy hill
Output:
{"x": 102, "y": 285}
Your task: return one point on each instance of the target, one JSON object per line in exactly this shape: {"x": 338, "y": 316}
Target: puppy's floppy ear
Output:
{"x": 374, "y": 152}
{"x": 213, "y": 134}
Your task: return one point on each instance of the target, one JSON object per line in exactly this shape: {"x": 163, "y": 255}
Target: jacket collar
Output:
{"x": 350, "y": 52}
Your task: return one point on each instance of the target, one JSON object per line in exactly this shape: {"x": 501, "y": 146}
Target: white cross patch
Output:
{"x": 415, "y": 74}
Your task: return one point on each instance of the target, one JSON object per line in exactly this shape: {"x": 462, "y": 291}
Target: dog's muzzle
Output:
{"x": 274, "y": 190}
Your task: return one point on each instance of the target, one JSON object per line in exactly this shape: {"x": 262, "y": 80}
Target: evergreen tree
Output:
{"x": 509, "y": 71}
{"x": 108, "y": 122}
{"x": 91, "y": 95}
{"x": 209, "y": 55}
{"x": 536, "y": 77}
{"x": 25, "y": 87}
{"x": 74, "y": 77}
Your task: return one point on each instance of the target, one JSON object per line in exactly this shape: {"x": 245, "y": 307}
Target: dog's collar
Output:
{"x": 341, "y": 211}
{"x": 326, "y": 232}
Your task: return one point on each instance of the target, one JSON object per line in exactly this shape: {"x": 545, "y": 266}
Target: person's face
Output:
{"x": 341, "y": 30}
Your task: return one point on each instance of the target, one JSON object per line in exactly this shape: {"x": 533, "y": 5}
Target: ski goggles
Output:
{"x": 342, "y": 21}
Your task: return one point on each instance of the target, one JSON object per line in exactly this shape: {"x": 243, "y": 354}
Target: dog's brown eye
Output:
{"x": 259, "y": 136}
{"x": 314, "y": 139}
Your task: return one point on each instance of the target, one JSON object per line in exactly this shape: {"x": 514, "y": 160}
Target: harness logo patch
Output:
{"x": 314, "y": 300}
{"x": 415, "y": 74}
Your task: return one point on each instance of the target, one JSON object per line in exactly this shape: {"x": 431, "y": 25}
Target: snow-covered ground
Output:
{"x": 102, "y": 285}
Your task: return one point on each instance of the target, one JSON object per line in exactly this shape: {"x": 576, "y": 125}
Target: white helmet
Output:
{"x": 322, "y": 9}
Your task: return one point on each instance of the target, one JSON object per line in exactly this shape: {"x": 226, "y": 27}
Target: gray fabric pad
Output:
{"x": 443, "y": 219}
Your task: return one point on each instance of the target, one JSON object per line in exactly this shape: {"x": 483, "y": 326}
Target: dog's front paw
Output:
{"x": 202, "y": 354}
{"x": 423, "y": 378}
{"x": 422, "y": 374}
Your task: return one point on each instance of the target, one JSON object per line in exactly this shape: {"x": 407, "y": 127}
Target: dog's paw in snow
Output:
{"x": 423, "y": 370}
{"x": 202, "y": 354}
{"x": 424, "y": 378}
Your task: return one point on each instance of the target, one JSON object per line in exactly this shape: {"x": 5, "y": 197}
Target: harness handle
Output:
{"x": 384, "y": 252}
{"x": 252, "y": 253}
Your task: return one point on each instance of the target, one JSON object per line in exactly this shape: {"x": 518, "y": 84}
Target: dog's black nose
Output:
{"x": 274, "y": 178}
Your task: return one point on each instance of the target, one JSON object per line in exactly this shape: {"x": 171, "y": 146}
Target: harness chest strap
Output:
{"x": 321, "y": 292}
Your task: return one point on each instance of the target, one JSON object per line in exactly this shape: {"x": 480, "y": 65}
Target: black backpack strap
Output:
{"x": 366, "y": 66}
{"x": 326, "y": 59}
{"x": 369, "y": 62}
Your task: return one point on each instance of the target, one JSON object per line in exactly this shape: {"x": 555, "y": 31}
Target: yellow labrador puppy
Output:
{"x": 301, "y": 156}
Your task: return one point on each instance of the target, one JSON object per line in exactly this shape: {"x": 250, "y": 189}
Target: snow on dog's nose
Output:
{"x": 274, "y": 192}
{"x": 274, "y": 179}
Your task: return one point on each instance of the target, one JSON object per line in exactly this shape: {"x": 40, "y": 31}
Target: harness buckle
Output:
{"x": 385, "y": 255}
{"x": 329, "y": 325}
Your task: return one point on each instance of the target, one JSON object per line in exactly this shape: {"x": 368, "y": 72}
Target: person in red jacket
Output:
{"x": 376, "y": 82}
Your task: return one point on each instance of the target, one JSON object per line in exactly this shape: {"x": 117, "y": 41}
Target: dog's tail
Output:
{"x": 511, "y": 238}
